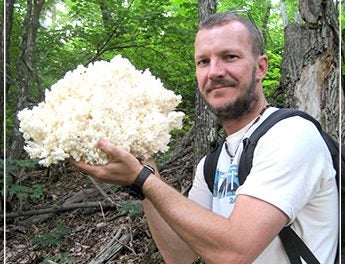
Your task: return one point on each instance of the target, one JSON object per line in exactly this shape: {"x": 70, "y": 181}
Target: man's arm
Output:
{"x": 242, "y": 237}
{"x": 171, "y": 246}
{"x": 173, "y": 249}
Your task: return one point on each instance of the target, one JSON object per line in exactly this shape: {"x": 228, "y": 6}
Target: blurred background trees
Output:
{"x": 45, "y": 39}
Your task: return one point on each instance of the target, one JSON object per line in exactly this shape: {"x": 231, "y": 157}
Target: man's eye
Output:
{"x": 230, "y": 57}
{"x": 202, "y": 62}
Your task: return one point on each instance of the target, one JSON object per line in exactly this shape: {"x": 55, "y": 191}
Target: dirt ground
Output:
{"x": 78, "y": 235}
{"x": 112, "y": 230}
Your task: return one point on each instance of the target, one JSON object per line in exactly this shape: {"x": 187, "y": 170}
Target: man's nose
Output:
{"x": 216, "y": 69}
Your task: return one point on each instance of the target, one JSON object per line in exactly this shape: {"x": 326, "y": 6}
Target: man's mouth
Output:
{"x": 214, "y": 88}
{"x": 218, "y": 87}
{"x": 220, "y": 84}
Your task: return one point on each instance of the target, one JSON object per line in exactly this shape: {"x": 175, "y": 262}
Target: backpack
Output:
{"x": 293, "y": 244}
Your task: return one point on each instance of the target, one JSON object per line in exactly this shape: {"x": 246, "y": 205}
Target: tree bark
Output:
{"x": 283, "y": 13}
{"x": 310, "y": 66}
{"x": 205, "y": 122}
{"x": 265, "y": 36}
{"x": 4, "y": 44}
{"x": 25, "y": 69}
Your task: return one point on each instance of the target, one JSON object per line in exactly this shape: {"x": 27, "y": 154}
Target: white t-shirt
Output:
{"x": 292, "y": 170}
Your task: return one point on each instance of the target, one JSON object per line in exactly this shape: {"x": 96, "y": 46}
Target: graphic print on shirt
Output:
{"x": 226, "y": 183}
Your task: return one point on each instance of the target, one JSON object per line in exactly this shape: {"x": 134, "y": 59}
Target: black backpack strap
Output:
{"x": 211, "y": 160}
{"x": 249, "y": 144}
{"x": 334, "y": 149}
{"x": 245, "y": 165}
{"x": 293, "y": 244}
{"x": 338, "y": 155}
{"x": 295, "y": 247}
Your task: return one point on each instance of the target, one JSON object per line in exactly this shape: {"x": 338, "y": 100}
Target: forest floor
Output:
{"x": 70, "y": 218}
{"x": 75, "y": 235}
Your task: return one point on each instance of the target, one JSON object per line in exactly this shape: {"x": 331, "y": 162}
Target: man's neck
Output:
{"x": 234, "y": 125}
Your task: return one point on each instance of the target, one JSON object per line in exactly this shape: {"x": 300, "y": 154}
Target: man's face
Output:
{"x": 226, "y": 69}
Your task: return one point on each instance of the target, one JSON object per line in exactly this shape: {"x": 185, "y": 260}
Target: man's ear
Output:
{"x": 262, "y": 67}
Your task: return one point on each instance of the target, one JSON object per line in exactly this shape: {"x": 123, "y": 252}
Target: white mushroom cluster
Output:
{"x": 106, "y": 100}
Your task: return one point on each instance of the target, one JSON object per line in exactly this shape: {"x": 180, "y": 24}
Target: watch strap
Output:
{"x": 136, "y": 187}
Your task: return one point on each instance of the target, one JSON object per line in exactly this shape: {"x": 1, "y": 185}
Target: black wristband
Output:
{"x": 136, "y": 187}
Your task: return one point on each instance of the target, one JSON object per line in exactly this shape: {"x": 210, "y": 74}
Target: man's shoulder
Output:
{"x": 291, "y": 126}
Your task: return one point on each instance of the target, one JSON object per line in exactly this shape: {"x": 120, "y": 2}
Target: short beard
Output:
{"x": 244, "y": 105}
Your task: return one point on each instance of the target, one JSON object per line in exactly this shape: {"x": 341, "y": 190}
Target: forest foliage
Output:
{"x": 157, "y": 35}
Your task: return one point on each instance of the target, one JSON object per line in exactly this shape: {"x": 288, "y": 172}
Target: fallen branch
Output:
{"x": 113, "y": 248}
{"x": 99, "y": 188}
{"x": 61, "y": 208}
{"x": 73, "y": 198}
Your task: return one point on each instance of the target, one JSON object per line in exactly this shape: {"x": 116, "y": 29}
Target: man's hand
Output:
{"x": 122, "y": 169}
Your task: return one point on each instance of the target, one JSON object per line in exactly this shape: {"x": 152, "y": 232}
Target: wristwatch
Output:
{"x": 135, "y": 189}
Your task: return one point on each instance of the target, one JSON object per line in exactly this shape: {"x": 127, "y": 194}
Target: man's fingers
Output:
{"x": 82, "y": 166}
{"x": 121, "y": 169}
{"x": 110, "y": 149}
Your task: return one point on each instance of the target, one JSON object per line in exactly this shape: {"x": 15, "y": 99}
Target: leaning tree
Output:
{"x": 196, "y": 143}
{"x": 205, "y": 128}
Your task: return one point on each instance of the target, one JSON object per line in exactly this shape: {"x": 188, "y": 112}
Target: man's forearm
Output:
{"x": 170, "y": 245}
{"x": 180, "y": 222}
{"x": 253, "y": 225}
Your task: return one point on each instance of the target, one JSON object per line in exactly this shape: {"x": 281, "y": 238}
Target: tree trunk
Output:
{"x": 264, "y": 30}
{"x": 283, "y": 13}
{"x": 310, "y": 66}
{"x": 4, "y": 44}
{"x": 205, "y": 122}
{"x": 25, "y": 69}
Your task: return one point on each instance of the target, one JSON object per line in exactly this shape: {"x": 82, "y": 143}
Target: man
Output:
{"x": 291, "y": 182}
